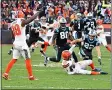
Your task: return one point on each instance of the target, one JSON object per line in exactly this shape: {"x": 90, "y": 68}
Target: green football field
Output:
{"x": 53, "y": 76}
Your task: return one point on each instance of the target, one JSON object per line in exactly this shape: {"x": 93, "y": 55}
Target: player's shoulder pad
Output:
{"x": 56, "y": 30}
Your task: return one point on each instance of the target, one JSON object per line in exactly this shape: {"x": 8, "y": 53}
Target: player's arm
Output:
{"x": 70, "y": 36}
{"x": 24, "y": 22}
{"x": 54, "y": 36}
{"x": 72, "y": 25}
{"x": 76, "y": 41}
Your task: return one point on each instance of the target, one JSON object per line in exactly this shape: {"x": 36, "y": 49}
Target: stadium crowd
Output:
{"x": 53, "y": 9}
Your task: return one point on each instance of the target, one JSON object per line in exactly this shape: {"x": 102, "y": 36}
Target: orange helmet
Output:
{"x": 66, "y": 55}
{"x": 99, "y": 21}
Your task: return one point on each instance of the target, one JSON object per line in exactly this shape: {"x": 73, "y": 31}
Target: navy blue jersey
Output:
{"x": 89, "y": 23}
{"x": 61, "y": 36}
{"x": 90, "y": 44}
{"x": 78, "y": 25}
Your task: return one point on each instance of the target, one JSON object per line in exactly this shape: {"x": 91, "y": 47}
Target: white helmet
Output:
{"x": 92, "y": 32}
{"x": 89, "y": 15}
{"x": 62, "y": 20}
{"x": 78, "y": 14}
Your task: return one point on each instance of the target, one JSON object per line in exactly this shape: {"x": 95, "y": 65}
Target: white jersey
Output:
{"x": 101, "y": 36}
{"x": 19, "y": 32}
{"x": 20, "y": 46}
{"x": 100, "y": 29}
{"x": 76, "y": 68}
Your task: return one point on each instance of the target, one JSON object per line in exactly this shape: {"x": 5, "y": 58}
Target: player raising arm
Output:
{"x": 20, "y": 46}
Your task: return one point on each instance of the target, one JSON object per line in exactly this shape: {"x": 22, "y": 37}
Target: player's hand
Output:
{"x": 73, "y": 42}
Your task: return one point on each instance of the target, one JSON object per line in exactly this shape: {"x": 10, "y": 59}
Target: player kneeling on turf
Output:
{"x": 77, "y": 68}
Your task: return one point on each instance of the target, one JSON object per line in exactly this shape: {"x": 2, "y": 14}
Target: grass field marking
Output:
{"x": 14, "y": 86}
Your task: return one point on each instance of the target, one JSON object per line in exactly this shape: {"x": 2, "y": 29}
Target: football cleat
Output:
{"x": 103, "y": 73}
{"x": 5, "y": 76}
{"x": 10, "y": 51}
{"x": 99, "y": 60}
{"x": 32, "y": 78}
{"x": 32, "y": 50}
{"x": 45, "y": 61}
{"x": 97, "y": 69}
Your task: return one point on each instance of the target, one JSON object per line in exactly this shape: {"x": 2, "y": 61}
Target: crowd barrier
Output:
{"x": 6, "y": 36}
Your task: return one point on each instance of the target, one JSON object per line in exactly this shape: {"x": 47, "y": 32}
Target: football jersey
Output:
{"x": 90, "y": 44}
{"x": 78, "y": 25}
{"x": 89, "y": 23}
{"x": 61, "y": 35}
{"x": 100, "y": 29}
{"x": 19, "y": 32}
{"x": 76, "y": 68}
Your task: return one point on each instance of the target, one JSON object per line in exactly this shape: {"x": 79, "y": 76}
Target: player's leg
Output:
{"x": 16, "y": 55}
{"x": 10, "y": 51}
{"x": 99, "y": 54}
{"x": 26, "y": 54}
{"x": 58, "y": 57}
{"x": 31, "y": 42}
{"x": 84, "y": 64}
{"x": 104, "y": 42}
{"x": 81, "y": 71}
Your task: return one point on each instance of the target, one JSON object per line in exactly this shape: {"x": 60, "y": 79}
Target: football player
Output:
{"x": 101, "y": 35}
{"x": 60, "y": 37}
{"x": 102, "y": 38}
{"x": 89, "y": 42}
{"x": 20, "y": 46}
{"x": 77, "y": 25}
{"x": 89, "y": 22}
{"x": 80, "y": 67}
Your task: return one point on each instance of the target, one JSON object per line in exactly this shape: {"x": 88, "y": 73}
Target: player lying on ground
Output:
{"x": 78, "y": 68}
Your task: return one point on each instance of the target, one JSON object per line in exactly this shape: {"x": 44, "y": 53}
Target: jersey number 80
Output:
{"x": 63, "y": 35}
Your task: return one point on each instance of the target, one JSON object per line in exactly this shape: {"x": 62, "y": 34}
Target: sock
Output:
{"x": 9, "y": 66}
{"x": 42, "y": 52}
{"x": 92, "y": 66}
{"x": 46, "y": 43}
{"x": 11, "y": 49}
{"x": 95, "y": 73}
{"x": 108, "y": 48}
{"x": 32, "y": 46}
{"x": 45, "y": 48}
{"x": 99, "y": 57}
{"x": 29, "y": 67}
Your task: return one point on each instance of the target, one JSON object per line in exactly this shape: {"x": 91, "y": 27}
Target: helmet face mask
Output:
{"x": 92, "y": 34}
{"x": 63, "y": 25}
